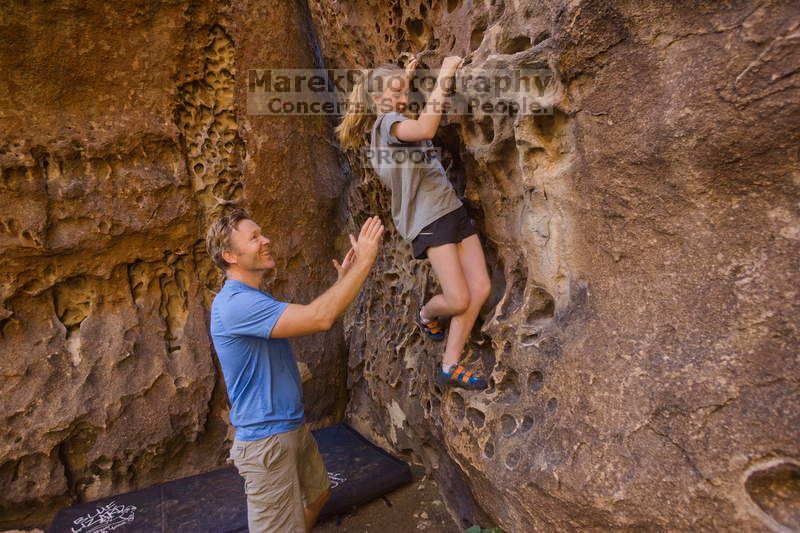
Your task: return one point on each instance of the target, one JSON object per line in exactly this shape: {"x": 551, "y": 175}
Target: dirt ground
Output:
{"x": 417, "y": 506}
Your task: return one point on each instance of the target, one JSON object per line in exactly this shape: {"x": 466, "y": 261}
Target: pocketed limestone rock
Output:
{"x": 641, "y": 337}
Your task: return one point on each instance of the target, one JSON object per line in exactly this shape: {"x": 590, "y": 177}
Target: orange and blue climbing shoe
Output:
{"x": 432, "y": 328}
{"x": 458, "y": 376}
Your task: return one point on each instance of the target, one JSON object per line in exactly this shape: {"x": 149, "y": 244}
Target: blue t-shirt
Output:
{"x": 260, "y": 373}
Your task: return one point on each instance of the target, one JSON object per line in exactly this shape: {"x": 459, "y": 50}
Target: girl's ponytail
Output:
{"x": 358, "y": 116}
{"x": 360, "y": 113}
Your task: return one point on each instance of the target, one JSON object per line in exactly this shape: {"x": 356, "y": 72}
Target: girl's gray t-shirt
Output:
{"x": 421, "y": 192}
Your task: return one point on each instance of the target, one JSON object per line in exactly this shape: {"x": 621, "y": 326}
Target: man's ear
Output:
{"x": 229, "y": 257}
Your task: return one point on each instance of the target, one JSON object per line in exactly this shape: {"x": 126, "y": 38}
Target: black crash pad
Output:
{"x": 359, "y": 472}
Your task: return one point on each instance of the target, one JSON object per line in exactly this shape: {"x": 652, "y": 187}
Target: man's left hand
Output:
{"x": 344, "y": 267}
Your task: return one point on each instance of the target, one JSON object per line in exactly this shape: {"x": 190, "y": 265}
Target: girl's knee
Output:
{"x": 458, "y": 302}
{"x": 480, "y": 290}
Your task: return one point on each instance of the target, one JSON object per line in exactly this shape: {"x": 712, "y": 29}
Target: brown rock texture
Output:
{"x": 121, "y": 133}
{"x": 642, "y": 337}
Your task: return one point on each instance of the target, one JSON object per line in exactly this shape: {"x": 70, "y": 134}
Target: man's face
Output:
{"x": 249, "y": 248}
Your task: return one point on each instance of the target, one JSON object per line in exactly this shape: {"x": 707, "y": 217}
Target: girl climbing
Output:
{"x": 425, "y": 208}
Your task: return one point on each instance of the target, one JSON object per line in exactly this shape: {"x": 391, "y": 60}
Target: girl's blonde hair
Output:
{"x": 360, "y": 114}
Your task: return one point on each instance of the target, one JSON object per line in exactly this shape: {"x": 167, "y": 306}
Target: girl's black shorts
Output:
{"x": 453, "y": 228}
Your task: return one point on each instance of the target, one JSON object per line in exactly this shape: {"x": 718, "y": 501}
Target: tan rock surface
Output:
{"x": 121, "y": 131}
{"x": 643, "y": 240}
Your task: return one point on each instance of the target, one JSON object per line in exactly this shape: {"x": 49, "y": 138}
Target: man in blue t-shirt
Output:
{"x": 285, "y": 479}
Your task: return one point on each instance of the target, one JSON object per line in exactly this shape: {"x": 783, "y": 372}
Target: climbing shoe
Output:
{"x": 432, "y": 329}
{"x": 458, "y": 376}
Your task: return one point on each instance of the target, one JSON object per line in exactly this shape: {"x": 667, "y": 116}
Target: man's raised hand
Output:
{"x": 366, "y": 247}
{"x": 322, "y": 312}
{"x": 346, "y": 263}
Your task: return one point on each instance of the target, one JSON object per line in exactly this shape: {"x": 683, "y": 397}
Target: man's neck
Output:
{"x": 251, "y": 278}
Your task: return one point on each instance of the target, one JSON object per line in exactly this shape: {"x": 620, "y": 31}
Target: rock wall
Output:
{"x": 643, "y": 239}
{"x": 641, "y": 337}
{"x": 121, "y": 132}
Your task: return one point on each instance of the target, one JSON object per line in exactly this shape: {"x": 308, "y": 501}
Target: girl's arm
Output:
{"x": 424, "y": 127}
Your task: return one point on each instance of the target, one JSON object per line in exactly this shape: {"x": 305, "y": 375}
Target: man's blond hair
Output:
{"x": 218, "y": 237}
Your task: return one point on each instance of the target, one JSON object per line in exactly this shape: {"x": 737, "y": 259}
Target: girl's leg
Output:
{"x": 455, "y": 291}
{"x": 473, "y": 267}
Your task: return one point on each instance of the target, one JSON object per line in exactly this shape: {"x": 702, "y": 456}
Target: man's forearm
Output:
{"x": 332, "y": 303}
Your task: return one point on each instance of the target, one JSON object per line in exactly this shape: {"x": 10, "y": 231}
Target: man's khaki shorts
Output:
{"x": 282, "y": 474}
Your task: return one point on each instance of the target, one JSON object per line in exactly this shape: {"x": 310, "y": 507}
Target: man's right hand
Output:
{"x": 366, "y": 246}
{"x": 320, "y": 314}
